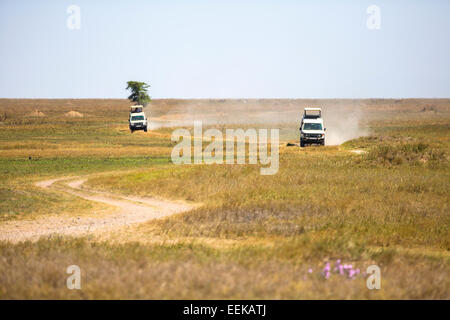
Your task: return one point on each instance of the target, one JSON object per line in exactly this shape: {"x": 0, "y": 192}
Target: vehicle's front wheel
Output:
{"x": 302, "y": 143}
{"x": 145, "y": 129}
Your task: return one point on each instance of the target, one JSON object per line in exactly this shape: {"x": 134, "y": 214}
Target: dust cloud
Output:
{"x": 343, "y": 126}
{"x": 342, "y": 118}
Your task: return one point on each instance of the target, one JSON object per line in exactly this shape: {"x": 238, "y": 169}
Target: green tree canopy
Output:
{"x": 139, "y": 94}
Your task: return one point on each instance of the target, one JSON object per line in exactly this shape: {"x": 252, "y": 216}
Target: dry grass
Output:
{"x": 256, "y": 236}
{"x": 193, "y": 271}
{"x": 18, "y": 201}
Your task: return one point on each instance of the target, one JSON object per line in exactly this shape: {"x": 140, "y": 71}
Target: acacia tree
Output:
{"x": 139, "y": 94}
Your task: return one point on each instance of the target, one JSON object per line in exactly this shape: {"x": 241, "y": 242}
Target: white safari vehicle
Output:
{"x": 137, "y": 119}
{"x": 312, "y": 130}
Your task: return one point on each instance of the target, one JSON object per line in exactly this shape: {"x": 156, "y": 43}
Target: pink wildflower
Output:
{"x": 341, "y": 270}
{"x": 337, "y": 265}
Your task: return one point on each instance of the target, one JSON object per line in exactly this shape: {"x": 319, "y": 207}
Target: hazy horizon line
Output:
{"x": 243, "y": 98}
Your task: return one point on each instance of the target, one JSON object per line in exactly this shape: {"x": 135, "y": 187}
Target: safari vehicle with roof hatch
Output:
{"x": 312, "y": 130}
{"x": 137, "y": 119}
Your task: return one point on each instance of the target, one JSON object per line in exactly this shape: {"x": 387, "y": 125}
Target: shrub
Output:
{"x": 406, "y": 153}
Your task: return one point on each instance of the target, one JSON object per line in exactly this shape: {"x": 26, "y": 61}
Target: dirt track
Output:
{"x": 130, "y": 210}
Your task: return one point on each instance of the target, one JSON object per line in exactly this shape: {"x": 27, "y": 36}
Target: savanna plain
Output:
{"x": 376, "y": 194}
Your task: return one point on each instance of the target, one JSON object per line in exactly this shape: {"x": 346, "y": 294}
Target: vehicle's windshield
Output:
{"x": 312, "y": 126}
{"x": 136, "y": 118}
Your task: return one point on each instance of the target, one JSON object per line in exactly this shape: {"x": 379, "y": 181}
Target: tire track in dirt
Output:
{"x": 130, "y": 210}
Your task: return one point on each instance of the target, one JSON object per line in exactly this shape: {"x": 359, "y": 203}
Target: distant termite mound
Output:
{"x": 429, "y": 108}
{"x": 74, "y": 114}
{"x": 37, "y": 113}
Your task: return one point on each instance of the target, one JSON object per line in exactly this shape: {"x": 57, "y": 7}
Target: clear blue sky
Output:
{"x": 225, "y": 49}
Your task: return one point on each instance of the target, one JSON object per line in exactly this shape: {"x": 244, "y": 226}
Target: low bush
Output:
{"x": 406, "y": 153}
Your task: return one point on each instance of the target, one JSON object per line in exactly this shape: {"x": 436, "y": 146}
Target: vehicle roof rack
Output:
{"x": 314, "y": 115}
{"x": 136, "y": 109}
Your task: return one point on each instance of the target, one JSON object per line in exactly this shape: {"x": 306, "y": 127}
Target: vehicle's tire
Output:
{"x": 323, "y": 142}
{"x": 131, "y": 130}
{"x": 302, "y": 143}
{"x": 145, "y": 129}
